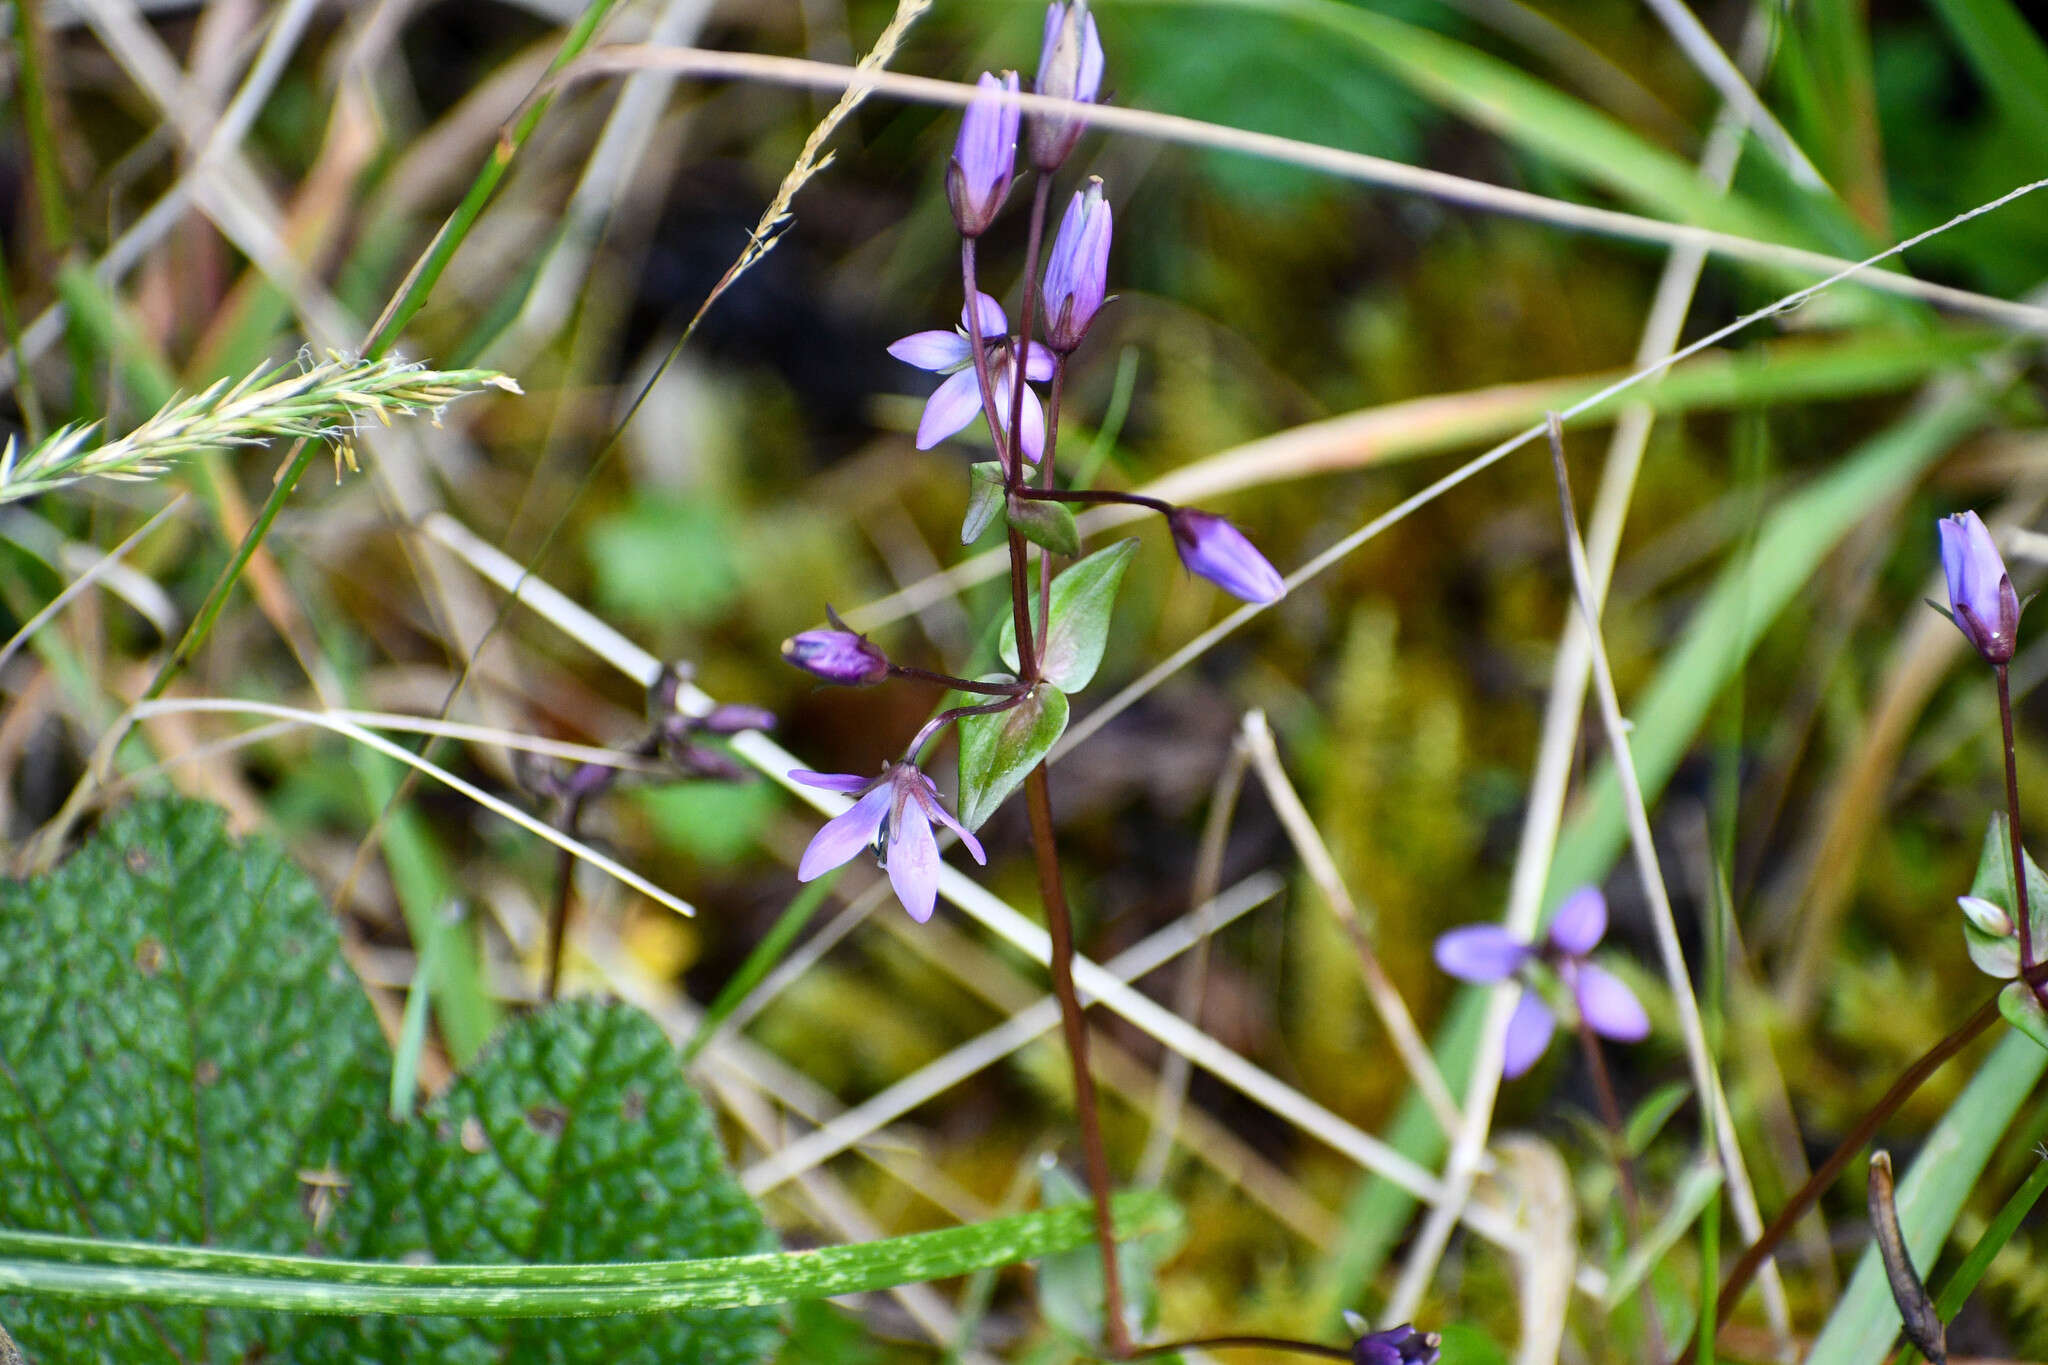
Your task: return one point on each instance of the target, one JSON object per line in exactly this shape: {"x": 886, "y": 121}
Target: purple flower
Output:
{"x": 1077, "y": 271}
{"x": 734, "y": 717}
{"x": 984, "y": 157}
{"x": 837, "y": 655}
{"x": 1401, "y": 1345}
{"x": 1216, "y": 550}
{"x": 1487, "y": 953}
{"x": 892, "y": 814}
{"x": 957, "y": 401}
{"x": 1980, "y": 592}
{"x": 1069, "y": 68}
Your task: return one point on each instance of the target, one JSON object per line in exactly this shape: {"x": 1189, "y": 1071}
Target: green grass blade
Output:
{"x": 86, "y": 1269}
{"x": 1865, "y": 1321}
{"x": 2007, "y": 54}
{"x": 761, "y": 961}
{"x": 1964, "y": 1282}
{"x": 1528, "y": 113}
{"x": 1797, "y": 535}
{"x": 1698, "y": 1188}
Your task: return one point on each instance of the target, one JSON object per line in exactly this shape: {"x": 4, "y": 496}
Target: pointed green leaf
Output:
{"x": 1049, "y": 525}
{"x": 997, "y": 750}
{"x": 1993, "y": 882}
{"x": 1082, "y": 598}
{"x": 984, "y": 499}
{"x": 2022, "y": 1009}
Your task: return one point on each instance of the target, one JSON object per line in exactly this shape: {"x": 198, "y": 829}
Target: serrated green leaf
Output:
{"x": 997, "y": 750}
{"x": 573, "y": 1139}
{"x": 185, "y": 1057}
{"x": 179, "y": 1040}
{"x": 1082, "y": 602}
{"x": 1049, "y": 525}
{"x": 984, "y": 499}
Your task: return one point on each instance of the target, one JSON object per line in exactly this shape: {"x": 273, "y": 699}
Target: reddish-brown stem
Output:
{"x": 1012, "y": 458}
{"x": 1045, "y": 481}
{"x": 1242, "y": 1343}
{"x": 1060, "y": 927}
{"x": 2012, "y": 830}
{"x": 1093, "y": 496}
{"x": 1624, "y": 1165}
{"x": 947, "y": 717}
{"x": 1910, "y": 1080}
{"x": 986, "y": 689}
{"x": 558, "y": 914}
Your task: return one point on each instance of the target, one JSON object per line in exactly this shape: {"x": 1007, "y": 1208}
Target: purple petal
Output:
{"x": 1038, "y": 363}
{"x": 1529, "y": 1029}
{"x": 1033, "y": 423}
{"x": 994, "y": 322}
{"x": 936, "y": 351}
{"x": 1580, "y": 922}
{"x": 832, "y": 782}
{"x": 913, "y": 861}
{"x": 844, "y": 835}
{"x": 1987, "y": 610}
{"x": 1609, "y": 1007}
{"x": 952, "y": 406}
{"x": 973, "y": 845}
{"x": 1481, "y": 952}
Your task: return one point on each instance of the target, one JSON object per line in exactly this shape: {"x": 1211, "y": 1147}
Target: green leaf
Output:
{"x": 185, "y": 1057}
{"x": 1996, "y": 1235}
{"x": 132, "y": 1272}
{"x": 179, "y": 1040}
{"x": 1652, "y": 1114}
{"x": 1049, "y": 525}
{"x": 1993, "y": 882}
{"x": 2008, "y": 56}
{"x": 984, "y": 499}
{"x": 997, "y": 750}
{"x": 573, "y": 1139}
{"x": 1082, "y": 599}
{"x": 2022, "y": 1009}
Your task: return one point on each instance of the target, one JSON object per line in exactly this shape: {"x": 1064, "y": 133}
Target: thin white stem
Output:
{"x": 1322, "y": 870}
{"x": 349, "y": 730}
{"x": 796, "y": 71}
{"x": 1041, "y": 1017}
{"x": 85, "y": 580}
{"x": 1706, "y": 1076}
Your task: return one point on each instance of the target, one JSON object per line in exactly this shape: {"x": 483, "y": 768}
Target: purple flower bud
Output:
{"x": 1069, "y": 68}
{"x": 1077, "y": 271}
{"x": 1987, "y": 610}
{"x": 837, "y": 656}
{"x": 734, "y": 717}
{"x": 1401, "y": 1345}
{"x": 984, "y": 158}
{"x": 1216, "y": 550}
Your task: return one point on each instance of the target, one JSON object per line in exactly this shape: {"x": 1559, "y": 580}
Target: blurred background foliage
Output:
{"x": 771, "y": 472}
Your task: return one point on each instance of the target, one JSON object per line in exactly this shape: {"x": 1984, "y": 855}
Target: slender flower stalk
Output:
{"x": 326, "y": 402}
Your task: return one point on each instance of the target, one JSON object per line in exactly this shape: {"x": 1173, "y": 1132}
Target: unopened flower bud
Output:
{"x": 734, "y": 717}
{"x": 984, "y": 158}
{"x": 1980, "y": 592}
{"x": 1216, "y": 550}
{"x": 1986, "y": 916}
{"x": 1077, "y": 270}
{"x": 837, "y": 656}
{"x": 1401, "y": 1345}
{"x": 1069, "y": 68}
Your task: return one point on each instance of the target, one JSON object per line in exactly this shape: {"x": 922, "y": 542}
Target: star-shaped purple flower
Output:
{"x": 957, "y": 401}
{"x": 892, "y": 814}
{"x": 1487, "y": 953}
